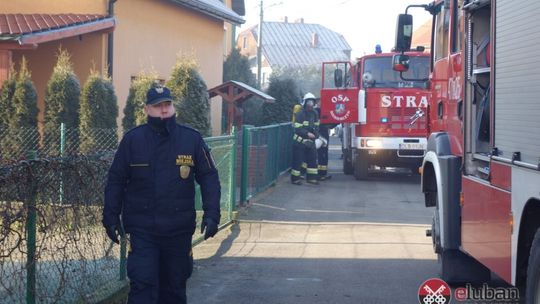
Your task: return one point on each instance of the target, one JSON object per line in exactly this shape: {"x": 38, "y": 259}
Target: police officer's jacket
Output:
{"x": 307, "y": 121}
{"x": 151, "y": 181}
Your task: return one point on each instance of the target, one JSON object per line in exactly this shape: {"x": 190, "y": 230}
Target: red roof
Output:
{"x": 19, "y": 24}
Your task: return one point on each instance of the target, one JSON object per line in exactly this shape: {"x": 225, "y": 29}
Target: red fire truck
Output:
{"x": 383, "y": 115}
{"x": 481, "y": 171}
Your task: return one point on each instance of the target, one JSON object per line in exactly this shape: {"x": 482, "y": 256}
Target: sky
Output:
{"x": 363, "y": 23}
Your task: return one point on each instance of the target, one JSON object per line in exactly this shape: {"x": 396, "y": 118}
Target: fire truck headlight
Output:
{"x": 374, "y": 143}
{"x": 384, "y": 119}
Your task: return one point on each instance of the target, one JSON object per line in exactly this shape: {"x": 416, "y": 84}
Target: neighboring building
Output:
{"x": 422, "y": 36}
{"x": 295, "y": 44}
{"x": 148, "y": 35}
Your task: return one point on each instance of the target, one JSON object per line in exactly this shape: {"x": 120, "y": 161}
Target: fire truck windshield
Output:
{"x": 378, "y": 73}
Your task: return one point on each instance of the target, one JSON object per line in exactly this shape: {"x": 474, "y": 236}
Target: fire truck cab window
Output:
{"x": 378, "y": 73}
{"x": 442, "y": 21}
{"x": 457, "y": 29}
{"x": 331, "y": 70}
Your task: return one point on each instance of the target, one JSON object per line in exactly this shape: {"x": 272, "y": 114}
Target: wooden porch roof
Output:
{"x": 28, "y": 30}
{"x": 236, "y": 91}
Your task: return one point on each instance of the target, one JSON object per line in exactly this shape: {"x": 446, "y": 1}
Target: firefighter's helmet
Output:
{"x": 309, "y": 97}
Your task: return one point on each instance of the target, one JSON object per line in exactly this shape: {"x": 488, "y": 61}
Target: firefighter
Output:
{"x": 150, "y": 193}
{"x": 305, "y": 132}
{"x": 297, "y": 108}
{"x": 322, "y": 151}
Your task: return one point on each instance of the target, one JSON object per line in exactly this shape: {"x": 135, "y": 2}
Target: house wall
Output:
{"x": 229, "y": 37}
{"x": 148, "y": 36}
{"x": 250, "y": 48}
{"x": 55, "y": 6}
{"x": 146, "y": 41}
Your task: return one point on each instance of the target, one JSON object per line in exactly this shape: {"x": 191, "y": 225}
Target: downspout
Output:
{"x": 110, "y": 42}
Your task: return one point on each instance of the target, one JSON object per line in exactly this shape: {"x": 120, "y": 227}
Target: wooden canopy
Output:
{"x": 235, "y": 93}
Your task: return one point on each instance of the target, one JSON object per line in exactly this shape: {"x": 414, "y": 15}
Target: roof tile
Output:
{"x": 19, "y": 24}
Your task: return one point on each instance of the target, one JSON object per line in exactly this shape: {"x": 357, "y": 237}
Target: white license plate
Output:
{"x": 412, "y": 146}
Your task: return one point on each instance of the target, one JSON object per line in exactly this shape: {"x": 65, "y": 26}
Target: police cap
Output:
{"x": 158, "y": 94}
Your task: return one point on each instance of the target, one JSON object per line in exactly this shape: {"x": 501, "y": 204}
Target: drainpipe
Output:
{"x": 110, "y": 42}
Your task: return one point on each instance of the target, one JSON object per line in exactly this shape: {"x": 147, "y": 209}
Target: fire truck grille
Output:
{"x": 400, "y": 118}
{"x": 411, "y": 152}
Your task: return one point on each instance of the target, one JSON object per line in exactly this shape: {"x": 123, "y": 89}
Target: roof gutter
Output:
{"x": 110, "y": 42}
{"x": 210, "y": 10}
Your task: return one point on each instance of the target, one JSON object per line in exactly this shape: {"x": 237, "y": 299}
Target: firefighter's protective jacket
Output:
{"x": 307, "y": 121}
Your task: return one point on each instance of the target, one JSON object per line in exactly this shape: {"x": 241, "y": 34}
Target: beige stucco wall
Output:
{"x": 151, "y": 41}
{"x": 148, "y": 36}
{"x": 54, "y": 6}
{"x": 87, "y": 52}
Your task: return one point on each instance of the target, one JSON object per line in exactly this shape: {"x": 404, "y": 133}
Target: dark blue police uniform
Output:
{"x": 151, "y": 184}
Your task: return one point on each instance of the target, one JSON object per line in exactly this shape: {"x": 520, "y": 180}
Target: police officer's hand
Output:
{"x": 211, "y": 228}
{"x": 113, "y": 233}
{"x": 311, "y": 135}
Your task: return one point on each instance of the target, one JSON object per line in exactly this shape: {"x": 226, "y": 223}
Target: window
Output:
{"x": 442, "y": 21}
{"x": 378, "y": 73}
{"x": 457, "y": 29}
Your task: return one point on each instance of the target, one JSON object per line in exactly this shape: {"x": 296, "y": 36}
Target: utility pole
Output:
{"x": 259, "y": 47}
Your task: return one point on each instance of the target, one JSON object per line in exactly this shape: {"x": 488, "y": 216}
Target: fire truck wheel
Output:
{"x": 532, "y": 292}
{"x": 347, "y": 163}
{"x": 360, "y": 168}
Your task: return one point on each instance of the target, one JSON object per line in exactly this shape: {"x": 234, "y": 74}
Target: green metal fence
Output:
{"x": 266, "y": 153}
{"x": 52, "y": 246}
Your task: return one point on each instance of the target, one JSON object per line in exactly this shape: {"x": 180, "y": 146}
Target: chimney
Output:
{"x": 285, "y": 19}
{"x": 314, "y": 40}
{"x": 299, "y": 20}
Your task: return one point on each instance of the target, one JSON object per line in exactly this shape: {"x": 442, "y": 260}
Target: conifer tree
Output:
{"x": 285, "y": 92}
{"x": 23, "y": 122}
{"x": 99, "y": 110}
{"x": 133, "y": 111}
{"x": 6, "y": 112}
{"x": 6, "y": 99}
{"x": 62, "y": 98}
{"x": 25, "y": 99}
{"x": 191, "y": 96}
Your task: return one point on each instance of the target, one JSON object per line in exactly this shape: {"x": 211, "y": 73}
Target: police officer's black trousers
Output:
{"x": 303, "y": 153}
{"x": 322, "y": 159}
{"x": 158, "y": 268}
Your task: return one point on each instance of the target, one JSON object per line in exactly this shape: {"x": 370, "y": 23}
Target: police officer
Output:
{"x": 305, "y": 132}
{"x": 150, "y": 193}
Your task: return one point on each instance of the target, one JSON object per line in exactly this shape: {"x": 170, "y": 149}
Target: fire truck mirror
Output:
{"x": 338, "y": 78}
{"x": 400, "y": 62}
{"x": 404, "y": 32}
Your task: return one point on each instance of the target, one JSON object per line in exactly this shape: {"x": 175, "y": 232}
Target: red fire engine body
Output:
{"x": 481, "y": 171}
{"x": 382, "y": 114}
